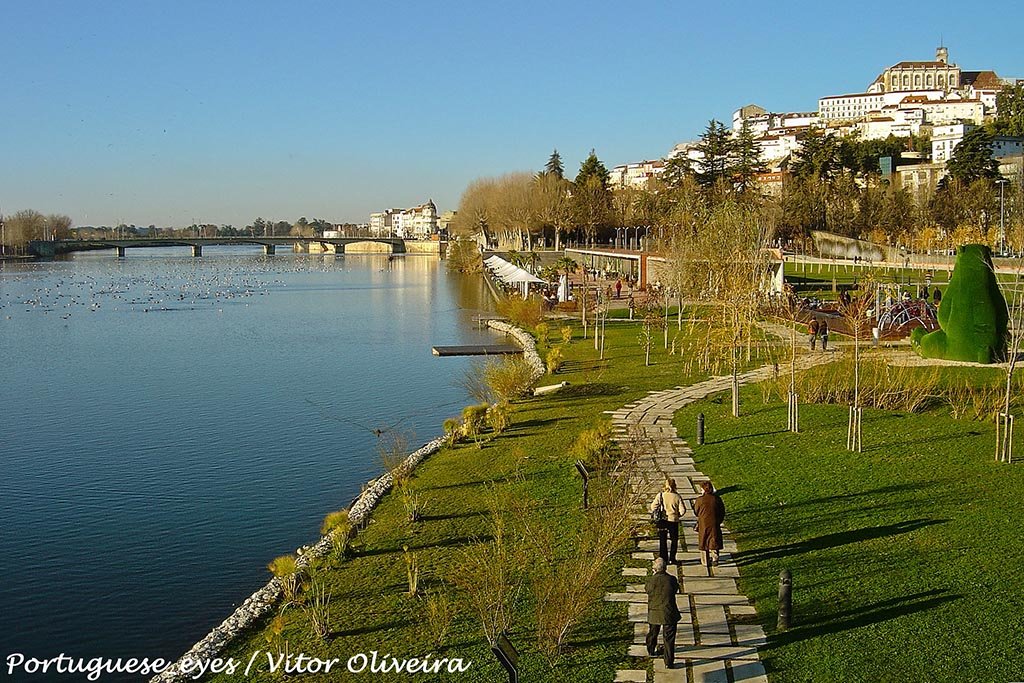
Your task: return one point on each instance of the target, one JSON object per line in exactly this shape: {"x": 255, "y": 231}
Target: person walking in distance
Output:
{"x": 710, "y": 511}
{"x": 662, "y": 611}
{"x": 668, "y": 530}
{"x": 618, "y": 288}
{"x": 812, "y": 330}
{"x": 823, "y": 331}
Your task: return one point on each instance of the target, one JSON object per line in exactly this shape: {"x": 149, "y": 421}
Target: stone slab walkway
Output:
{"x": 717, "y": 640}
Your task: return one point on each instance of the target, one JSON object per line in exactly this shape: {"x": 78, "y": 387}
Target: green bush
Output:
{"x": 463, "y": 256}
{"x": 554, "y": 359}
{"x": 499, "y": 416}
{"x": 594, "y": 447}
{"x": 525, "y": 313}
{"x": 509, "y": 378}
{"x": 972, "y": 315}
{"x": 474, "y": 418}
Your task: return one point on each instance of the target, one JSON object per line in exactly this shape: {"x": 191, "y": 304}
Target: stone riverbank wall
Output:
{"x": 262, "y": 603}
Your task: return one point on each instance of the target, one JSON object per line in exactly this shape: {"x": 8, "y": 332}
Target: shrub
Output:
{"x": 543, "y": 333}
{"x": 509, "y": 379}
{"x": 554, "y": 359}
{"x": 412, "y": 570}
{"x": 452, "y": 427}
{"x": 464, "y": 257}
{"x": 566, "y": 335}
{"x": 338, "y": 527}
{"x": 882, "y": 386}
{"x": 525, "y": 313}
{"x": 335, "y": 521}
{"x": 284, "y": 568}
{"x": 473, "y": 419}
{"x": 440, "y": 615}
{"x": 594, "y": 447}
{"x": 499, "y": 416}
{"x": 318, "y": 609}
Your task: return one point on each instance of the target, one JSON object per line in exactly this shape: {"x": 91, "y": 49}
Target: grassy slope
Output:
{"x": 906, "y": 559}
{"x": 369, "y": 608}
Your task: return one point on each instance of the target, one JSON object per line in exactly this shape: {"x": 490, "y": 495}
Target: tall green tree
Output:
{"x": 677, "y": 169}
{"x": 1010, "y": 111}
{"x": 592, "y": 167}
{"x": 746, "y": 162}
{"x": 716, "y": 149}
{"x": 972, "y": 159}
{"x": 818, "y": 156}
{"x": 554, "y": 166}
{"x": 591, "y": 198}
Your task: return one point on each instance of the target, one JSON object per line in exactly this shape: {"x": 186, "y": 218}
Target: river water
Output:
{"x": 170, "y": 424}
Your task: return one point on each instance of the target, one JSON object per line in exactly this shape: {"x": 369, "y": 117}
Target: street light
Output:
{"x": 1002, "y": 224}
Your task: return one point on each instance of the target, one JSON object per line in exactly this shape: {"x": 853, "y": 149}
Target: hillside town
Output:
{"x": 936, "y": 101}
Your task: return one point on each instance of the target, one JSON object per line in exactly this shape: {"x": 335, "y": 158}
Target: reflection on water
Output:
{"x": 170, "y": 424}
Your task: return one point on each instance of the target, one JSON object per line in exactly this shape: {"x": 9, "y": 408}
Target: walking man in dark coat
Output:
{"x": 662, "y": 611}
{"x": 710, "y": 511}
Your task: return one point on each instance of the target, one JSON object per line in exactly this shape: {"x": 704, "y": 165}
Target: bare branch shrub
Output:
{"x": 490, "y": 573}
{"x": 440, "y": 616}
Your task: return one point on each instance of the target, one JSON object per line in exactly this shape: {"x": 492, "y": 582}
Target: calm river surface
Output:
{"x": 170, "y": 424}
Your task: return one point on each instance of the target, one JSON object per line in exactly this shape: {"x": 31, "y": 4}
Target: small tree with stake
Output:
{"x": 854, "y": 314}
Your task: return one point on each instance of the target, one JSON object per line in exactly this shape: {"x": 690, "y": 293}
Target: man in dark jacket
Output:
{"x": 662, "y": 611}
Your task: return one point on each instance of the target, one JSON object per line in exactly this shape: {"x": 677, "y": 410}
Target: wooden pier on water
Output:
{"x": 476, "y": 350}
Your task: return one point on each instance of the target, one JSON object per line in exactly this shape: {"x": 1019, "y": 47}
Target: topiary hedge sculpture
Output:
{"x": 972, "y": 314}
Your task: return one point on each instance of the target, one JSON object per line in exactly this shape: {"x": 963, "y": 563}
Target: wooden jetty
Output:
{"x": 476, "y": 350}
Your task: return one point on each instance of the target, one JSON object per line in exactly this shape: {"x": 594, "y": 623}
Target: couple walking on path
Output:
{"x": 710, "y": 512}
{"x": 662, "y": 588}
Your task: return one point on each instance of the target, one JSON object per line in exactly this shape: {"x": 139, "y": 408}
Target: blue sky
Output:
{"x": 168, "y": 112}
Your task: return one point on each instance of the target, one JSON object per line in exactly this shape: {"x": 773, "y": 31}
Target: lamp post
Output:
{"x": 1002, "y": 221}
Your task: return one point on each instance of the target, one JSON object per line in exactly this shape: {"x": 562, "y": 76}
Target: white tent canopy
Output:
{"x": 510, "y": 274}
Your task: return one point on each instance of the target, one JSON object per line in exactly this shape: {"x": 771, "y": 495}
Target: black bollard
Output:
{"x": 700, "y": 429}
{"x": 785, "y": 599}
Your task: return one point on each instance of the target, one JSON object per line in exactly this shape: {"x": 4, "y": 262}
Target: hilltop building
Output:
{"x": 419, "y": 222}
{"x": 635, "y": 175}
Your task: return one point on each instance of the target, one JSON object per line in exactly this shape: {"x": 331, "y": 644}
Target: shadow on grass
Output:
{"x": 366, "y": 629}
{"x": 952, "y": 436}
{"x": 728, "y": 489}
{"x": 447, "y": 543}
{"x": 588, "y": 389}
{"x": 578, "y": 365}
{"x": 873, "y": 613}
{"x": 833, "y": 540}
{"x": 460, "y": 515}
{"x": 526, "y": 424}
{"x": 881, "y": 491}
{"x": 748, "y": 436}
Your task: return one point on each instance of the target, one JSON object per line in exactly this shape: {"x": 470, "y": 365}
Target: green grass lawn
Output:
{"x": 369, "y": 608}
{"x": 907, "y": 558}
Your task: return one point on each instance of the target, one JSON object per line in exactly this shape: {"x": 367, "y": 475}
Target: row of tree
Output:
{"x": 831, "y": 183}
{"x": 22, "y": 227}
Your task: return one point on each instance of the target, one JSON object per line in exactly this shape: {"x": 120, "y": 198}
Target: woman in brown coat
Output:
{"x": 710, "y": 511}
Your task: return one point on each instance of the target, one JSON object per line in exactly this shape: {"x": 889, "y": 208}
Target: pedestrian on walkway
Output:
{"x": 662, "y": 611}
{"x": 812, "y": 330}
{"x": 710, "y": 511}
{"x": 668, "y": 530}
{"x": 823, "y": 331}
{"x": 618, "y": 288}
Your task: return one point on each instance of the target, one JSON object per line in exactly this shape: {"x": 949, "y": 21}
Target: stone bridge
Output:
{"x": 49, "y": 248}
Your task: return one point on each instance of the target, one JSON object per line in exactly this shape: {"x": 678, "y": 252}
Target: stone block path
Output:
{"x": 718, "y": 638}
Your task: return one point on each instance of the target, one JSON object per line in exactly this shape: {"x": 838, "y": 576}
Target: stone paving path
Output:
{"x": 718, "y": 638}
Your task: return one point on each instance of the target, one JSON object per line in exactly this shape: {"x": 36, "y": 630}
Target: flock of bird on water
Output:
{"x": 144, "y": 285}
